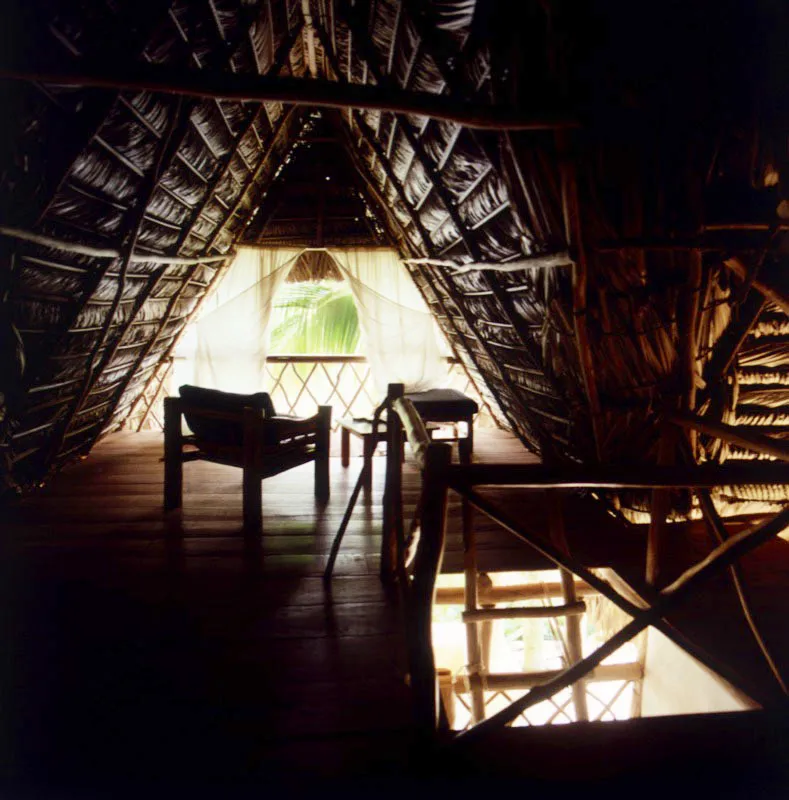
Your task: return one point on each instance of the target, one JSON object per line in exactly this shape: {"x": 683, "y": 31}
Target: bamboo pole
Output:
{"x": 659, "y": 508}
{"x": 102, "y": 252}
{"x": 447, "y": 691}
{"x": 758, "y": 443}
{"x": 718, "y": 529}
{"x": 575, "y": 649}
{"x": 573, "y": 233}
{"x": 623, "y": 597}
{"x": 407, "y": 246}
{"x": 392, "y": 541}
{"x": 604, "y": 476}
{"x": 427, "y": 565}
{"x": 513, "y": 681}
{"x": 215, "y": 85}
{"x": 512, "y": 594}
{"x": 773, "y": 294}
{"x": 576, "y": 608}
{"x": 474, "y": 666}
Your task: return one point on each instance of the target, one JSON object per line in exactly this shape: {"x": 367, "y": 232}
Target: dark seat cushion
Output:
{"x": 218, "y": 430}
{"x": 443, "y": 405}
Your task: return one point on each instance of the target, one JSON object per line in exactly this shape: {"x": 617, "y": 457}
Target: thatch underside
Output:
{"x": 668, "y": 197}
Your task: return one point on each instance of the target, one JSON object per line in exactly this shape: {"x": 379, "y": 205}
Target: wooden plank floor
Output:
{"x": 145, "y": 645}
{"x": 151, "y": 645}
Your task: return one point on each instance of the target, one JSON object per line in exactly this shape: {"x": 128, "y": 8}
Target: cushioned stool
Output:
{"x": 448, "y": 405}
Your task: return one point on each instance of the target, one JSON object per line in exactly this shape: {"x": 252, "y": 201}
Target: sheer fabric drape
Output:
{"x": 227, "y": 347}
{"x": 399, "y": 333}
{"x": 232, "y": 336}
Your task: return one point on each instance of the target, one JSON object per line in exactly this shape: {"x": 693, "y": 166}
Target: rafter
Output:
{"x": 503, "y": 298}
{"x": 408, "y": 246}
{"x": 282, "y": 124}
{"x": 168, "y": 145}
{"x": 372, "y": 142}
{"x": 280, "y": 57}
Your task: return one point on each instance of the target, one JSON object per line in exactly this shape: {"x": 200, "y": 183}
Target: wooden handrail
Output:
{"x": 720, "y": 558}
{"x": 637, "y": 476}
{"x": 506, "y": 681}
{"x": 330, "y": 358}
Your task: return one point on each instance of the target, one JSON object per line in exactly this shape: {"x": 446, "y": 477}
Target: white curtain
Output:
{"x": 400, "y": 337}
{"x": 227, "y": 348}
{"x": 232, "y": 335}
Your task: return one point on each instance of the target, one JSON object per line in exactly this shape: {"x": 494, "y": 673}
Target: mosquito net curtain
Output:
{"x": 229, "y": 345}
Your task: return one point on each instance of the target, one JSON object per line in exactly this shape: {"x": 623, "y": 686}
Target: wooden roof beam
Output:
{"x": 408, "y": 247}
{"x": 212, "y": 84}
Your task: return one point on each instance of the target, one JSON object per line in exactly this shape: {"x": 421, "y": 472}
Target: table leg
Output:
{"x": 368, "y": 449}
{"x": 345, "y": 447}
{"x": 466, "y": 446}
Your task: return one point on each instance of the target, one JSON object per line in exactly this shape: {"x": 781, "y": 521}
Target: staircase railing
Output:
{"x": 647, "y": 605}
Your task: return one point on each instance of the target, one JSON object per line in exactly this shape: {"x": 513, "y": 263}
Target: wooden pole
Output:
{"x": 604, "y": 476}
{"x": 508, "y": 681}
{"x": 447, "y": 691}
{"x": 251, "y": 479}
{"x": 776, "y": 448}
{"x": 446, "y": 595}
{"x": 576, "y": 608}
{"x": 575, "y": 649}
{"x": 173, "y": 455}
{"x": 658, "y": 510}
{"x": 427, "y": 566}
{"x": 773, "y": 294}
{"x": 474, "y": 667}
{"x": 718, "y": 529}
{"x": 580, "y": 276}
{"x": 393, "y": 499}
{"x": 216, "y": 85}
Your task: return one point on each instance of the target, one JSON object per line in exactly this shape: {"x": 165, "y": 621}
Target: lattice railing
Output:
{"x": 298, "y": 384}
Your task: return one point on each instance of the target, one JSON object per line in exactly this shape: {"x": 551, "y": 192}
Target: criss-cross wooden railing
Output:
{"x": 647, "y": 606}
{"x": 298, "y": 384}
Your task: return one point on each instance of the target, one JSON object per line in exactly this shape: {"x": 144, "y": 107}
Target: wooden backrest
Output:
{"x": 226, "y": 427}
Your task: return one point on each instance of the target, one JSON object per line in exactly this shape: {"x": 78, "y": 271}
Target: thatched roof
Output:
{"x": 644, "y": 146}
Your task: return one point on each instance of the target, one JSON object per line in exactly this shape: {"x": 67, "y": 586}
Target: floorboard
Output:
{"x": 145, "y": 645}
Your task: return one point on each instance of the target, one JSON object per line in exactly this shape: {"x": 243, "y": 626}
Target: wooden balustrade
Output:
{"x": 649, "y": 608}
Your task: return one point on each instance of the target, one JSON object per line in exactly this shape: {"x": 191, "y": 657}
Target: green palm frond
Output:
{"x": 315, "y": 317}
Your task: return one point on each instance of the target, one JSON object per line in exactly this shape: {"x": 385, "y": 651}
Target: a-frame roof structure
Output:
{"x": 598, "y": 190}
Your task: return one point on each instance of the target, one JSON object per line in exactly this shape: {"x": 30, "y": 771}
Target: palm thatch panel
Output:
{"x": 662, "y": 207}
